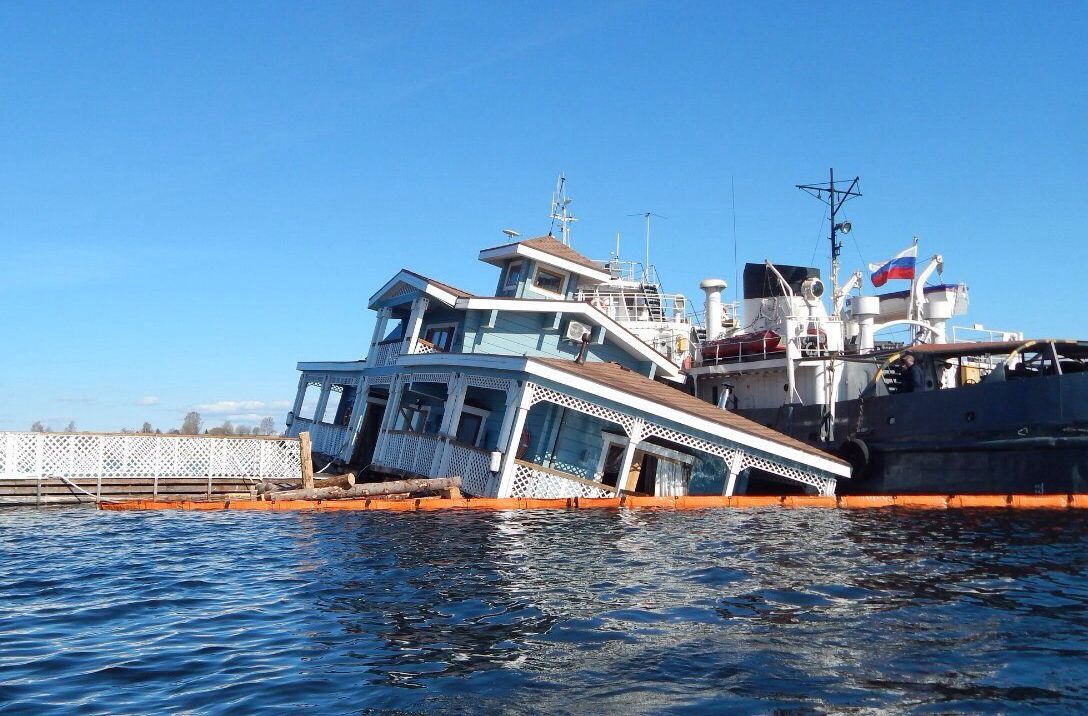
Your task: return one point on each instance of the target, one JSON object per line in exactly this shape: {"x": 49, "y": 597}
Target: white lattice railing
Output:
{"x": 111, "y": 455}
{"x": 411, "y": 452}
{"x": 384, "y": 354}
{"x": 473, "y": 466}
{"x": 540, "y": 482}
{"x": 324, "y": 438}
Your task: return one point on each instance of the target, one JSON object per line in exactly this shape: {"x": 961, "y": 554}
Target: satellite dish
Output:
{"x": 511, "y": 233}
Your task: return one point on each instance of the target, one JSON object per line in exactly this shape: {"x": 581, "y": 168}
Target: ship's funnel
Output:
{"x": 713, "y": 287}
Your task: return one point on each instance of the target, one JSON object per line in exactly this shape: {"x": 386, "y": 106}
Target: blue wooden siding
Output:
{"x": 566, "y": 439}
{"x": 524, "y": 334}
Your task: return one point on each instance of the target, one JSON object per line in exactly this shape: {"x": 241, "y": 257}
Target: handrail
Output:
{"x": 565, "y": 475}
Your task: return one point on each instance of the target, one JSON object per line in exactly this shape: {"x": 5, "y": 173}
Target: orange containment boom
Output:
{"x": 845, "y": 502}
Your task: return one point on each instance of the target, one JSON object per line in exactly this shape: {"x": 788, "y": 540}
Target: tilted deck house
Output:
{"x": 532, "y": 393}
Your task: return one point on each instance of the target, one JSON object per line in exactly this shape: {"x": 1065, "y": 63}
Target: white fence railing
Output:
{"x": 542, "y": 483}
{"x": 473, "y": 466}
{"x": 324, "y": 438}
{"x": 113, "y": 455}
{"x": 384, "y": 354}
{"x": 411, "y": 452}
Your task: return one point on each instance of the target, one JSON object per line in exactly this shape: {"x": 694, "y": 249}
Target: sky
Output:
{"x": 195, "y": 196}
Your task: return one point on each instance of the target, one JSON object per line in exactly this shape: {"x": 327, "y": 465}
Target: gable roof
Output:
{"x": 411, "y": 280}
{"x": 627, "y": 381}
{"x": 550, "y": 250}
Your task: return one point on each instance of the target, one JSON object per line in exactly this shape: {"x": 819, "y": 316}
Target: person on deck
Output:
{"x": 913, "y": 380}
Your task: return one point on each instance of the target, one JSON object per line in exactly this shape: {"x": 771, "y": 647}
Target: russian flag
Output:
{"x": 902, "y": 266}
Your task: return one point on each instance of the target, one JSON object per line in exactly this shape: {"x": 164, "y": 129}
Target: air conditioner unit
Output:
{"x": 576, "y": 330}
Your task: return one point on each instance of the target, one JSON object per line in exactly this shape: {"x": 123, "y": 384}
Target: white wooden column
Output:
{"x": 358, "y": 413}
{"x": 326, "y": 388}
{"x": 380, "y": 325}
{"x": 300, "y": 394}
{"x": 392, "y": 406}
{"x": 634, "y": 437}
{"x": 415, "y": 322}
{"x": 517, "y": 424}
{"x": 734, "y": 470}
{"x": 451, "y": 416}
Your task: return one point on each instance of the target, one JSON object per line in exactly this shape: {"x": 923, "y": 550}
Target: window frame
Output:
{"x": 554, "y": 272}
{"x": 506, "y": 285}
{"x": 480, "y": 413}
{"x": 453, "y": 334}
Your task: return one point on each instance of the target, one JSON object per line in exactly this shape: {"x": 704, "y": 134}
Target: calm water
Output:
{"x": 803, "y": 611}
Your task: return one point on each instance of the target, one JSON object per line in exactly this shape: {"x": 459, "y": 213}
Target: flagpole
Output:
{"x": 911, "y": 311}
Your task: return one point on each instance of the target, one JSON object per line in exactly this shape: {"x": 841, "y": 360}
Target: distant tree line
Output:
{"x": 191, "y": 424}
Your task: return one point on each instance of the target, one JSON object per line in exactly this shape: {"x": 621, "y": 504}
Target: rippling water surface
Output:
{"x": 795, "y": 611}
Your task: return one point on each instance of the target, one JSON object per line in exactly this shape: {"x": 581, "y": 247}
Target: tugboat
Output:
{"x": 999, "y": 415}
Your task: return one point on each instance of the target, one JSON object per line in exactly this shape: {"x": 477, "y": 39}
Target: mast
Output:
{"x": 560, "y": 210}
{"x": 646, "y": 265}
{"x": 835, "y": 199}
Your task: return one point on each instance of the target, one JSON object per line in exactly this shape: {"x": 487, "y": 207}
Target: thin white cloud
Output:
{"x": 148, "y": 400}
{"x": 227, "y": 407}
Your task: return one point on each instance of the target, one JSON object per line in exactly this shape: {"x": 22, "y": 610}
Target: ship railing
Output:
{"x": 629, "y": 271}
{"x": 977, "y": 334}
{"x": 536, "y": 481}
{"x": 634, "y": 305}
{"x": 32, "y": 455}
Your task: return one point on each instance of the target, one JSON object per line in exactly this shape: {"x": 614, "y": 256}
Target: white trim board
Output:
{"x": 495, "y": 255}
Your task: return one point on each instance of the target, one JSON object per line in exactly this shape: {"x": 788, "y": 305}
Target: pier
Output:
{"x": 70, "y": 468}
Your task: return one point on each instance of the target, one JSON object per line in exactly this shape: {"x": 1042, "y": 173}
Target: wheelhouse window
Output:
{"x": 441, "y": 336}
{"x": 550, "y": 281}
{"x": 513, "y": 275}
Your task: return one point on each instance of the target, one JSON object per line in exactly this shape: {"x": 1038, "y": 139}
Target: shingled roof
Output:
{"x": 619, "y": 378}
{"x": 553, "y": 247}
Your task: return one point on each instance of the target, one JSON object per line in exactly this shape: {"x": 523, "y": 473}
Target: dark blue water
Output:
{"x": 803, "y": 611}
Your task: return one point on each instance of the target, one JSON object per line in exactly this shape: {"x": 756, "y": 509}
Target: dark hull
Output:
{"x": 1026, "y": 436}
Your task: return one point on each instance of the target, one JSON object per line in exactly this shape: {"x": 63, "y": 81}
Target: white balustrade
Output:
{"x": 473, "y": 466}
{"x": 25, "y": 455}
{"x": 327, "y": 439}
{"x": 411, "y": 452}
{"x": 543, "y": 483}
{"x": 384, "y": 354}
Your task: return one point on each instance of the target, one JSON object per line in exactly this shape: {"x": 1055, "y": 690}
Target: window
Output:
{"x": 470, "y": 429}
{"x": 549, "y": 281}
{"x": 513, "y": 275}
{"x": 441, "y": 336}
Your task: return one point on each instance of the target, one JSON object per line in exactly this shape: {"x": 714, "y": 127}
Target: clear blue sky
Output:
{"x": 195, "y": 196}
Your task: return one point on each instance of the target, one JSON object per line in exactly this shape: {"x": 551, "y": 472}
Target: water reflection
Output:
{"x": 598, "y": 611}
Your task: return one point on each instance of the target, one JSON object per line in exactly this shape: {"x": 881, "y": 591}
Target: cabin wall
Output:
{"x": 524, "y": 334}
{"x": 566, "y": 440}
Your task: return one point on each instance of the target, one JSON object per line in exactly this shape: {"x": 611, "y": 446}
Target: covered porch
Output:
{"x": 530, "y": 431}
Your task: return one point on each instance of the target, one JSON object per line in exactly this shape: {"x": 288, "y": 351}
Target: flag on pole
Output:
{"x": 902, "y": 266}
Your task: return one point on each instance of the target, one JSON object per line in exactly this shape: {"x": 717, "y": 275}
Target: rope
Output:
{"x": 74, "y": 486}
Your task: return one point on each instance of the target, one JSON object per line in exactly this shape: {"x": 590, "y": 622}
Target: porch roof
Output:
{"x": 634, "y": 384}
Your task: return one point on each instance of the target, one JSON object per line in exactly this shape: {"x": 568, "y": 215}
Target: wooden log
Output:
{"x": 307, "y": 461}
{"x": 370, "y": 489}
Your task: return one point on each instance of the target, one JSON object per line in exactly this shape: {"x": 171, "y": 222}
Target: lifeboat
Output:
{"x": 745, "y": 344}
{"x": 758, "y": 343}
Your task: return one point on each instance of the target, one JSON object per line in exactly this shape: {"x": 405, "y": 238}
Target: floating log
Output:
{"x": 370, "y": 489}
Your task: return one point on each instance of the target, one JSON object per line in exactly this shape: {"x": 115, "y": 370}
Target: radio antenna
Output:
{"x": 561, "y": 210}
{"x": 646, "y": 266}
{"x": 836, "y": 197}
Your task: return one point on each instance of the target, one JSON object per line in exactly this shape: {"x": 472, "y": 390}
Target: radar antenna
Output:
{"x": 561, "y": 210}
{"x": 836, "y": 197}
